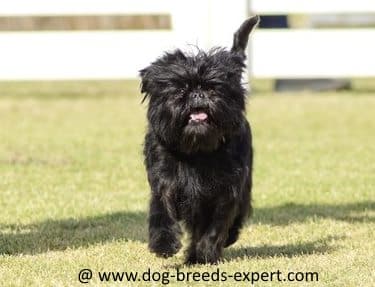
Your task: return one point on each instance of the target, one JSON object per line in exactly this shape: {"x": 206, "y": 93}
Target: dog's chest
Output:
{"x": 206, "y": 180}
{"x": 203, "y": 185}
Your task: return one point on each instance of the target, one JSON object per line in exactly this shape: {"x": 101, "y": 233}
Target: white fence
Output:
{"x": 207, "y": 23}
{"x": 313, "y": 52}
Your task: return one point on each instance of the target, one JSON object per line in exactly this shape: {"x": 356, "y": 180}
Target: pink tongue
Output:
{"x": 198, "y": 116}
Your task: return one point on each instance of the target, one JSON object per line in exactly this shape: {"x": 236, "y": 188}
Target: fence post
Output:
{"x": 189, "y": 23}
{"x": 226, "y": 18}
{"x": 207, "y": 23}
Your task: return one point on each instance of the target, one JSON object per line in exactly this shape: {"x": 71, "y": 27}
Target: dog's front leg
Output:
{"x": 210, "y": 246}
{"x": 164, "y": 230}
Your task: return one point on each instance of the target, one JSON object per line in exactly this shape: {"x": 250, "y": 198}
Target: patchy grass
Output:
{"x": 73, "y": 191}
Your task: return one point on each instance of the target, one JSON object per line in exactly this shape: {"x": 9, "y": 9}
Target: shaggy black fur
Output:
{"x": 198, "y": 149}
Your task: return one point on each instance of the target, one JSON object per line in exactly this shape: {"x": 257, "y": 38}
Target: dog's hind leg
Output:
{"x": 234, "y": 231}
{"x": 244, "y": 212}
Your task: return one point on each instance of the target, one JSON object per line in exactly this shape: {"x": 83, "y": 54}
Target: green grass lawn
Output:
{"x": 73, "y": 189}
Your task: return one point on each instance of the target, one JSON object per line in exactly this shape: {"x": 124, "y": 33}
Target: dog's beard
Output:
{"x": 200, "y": 134}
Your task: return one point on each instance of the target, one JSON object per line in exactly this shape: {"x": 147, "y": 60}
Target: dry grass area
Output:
{"x": 73, "y": 190}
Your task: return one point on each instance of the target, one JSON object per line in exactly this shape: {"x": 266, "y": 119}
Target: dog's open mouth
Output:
{"x": 198, "y": 117}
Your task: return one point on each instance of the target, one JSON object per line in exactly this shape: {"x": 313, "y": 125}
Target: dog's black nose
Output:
{"x": 197, "y": 95}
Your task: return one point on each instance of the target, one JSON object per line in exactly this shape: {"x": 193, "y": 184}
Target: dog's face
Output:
{"x": 196, "y": 101}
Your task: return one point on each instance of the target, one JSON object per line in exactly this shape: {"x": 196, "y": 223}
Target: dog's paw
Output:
{"x": 207, "y": 252}
{"x": 191, "y": 259}
{"x": 164, "y": 244}
{"x": 232, "y": 238}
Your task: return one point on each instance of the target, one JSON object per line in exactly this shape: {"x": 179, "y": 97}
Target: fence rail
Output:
{"x": 83, "y": 7}
{"x": 314, "y": 53}
{"x": 312, "y": 6}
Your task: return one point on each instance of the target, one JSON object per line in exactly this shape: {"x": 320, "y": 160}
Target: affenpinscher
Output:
{"x": 198, "y": 150}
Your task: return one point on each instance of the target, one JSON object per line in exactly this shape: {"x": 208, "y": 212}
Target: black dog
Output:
{"x": 198, "y": 149}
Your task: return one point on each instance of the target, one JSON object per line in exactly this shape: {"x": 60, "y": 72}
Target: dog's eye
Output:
{"x": 211, "y": 91}
{"x": 184, "y": 88}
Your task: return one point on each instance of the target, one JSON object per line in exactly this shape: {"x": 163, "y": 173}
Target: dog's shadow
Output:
{"x": 74, "y": 233}
{"x": 236, "y": 252}
{"x": 290, "y": 212}
{"x": 320, "y": 246}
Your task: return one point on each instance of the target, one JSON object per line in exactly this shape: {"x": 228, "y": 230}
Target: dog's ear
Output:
{"x": 144, "y": 82}
{"x": 159, "y": 72}
{"x": 241, "y": 37}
